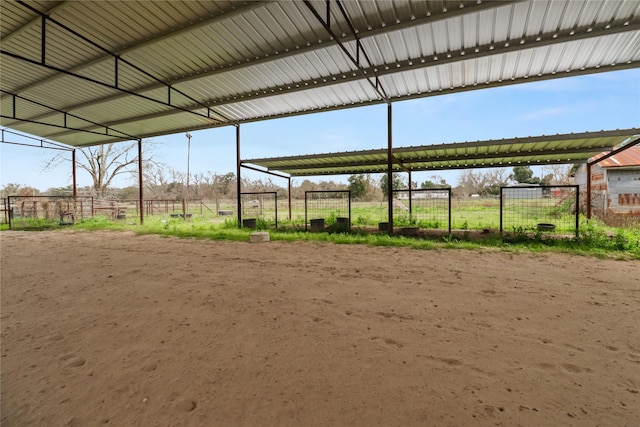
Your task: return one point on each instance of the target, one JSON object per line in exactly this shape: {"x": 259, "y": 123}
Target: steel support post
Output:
{"x": 238, "y": 178}
{"x": 140, "y": 188}
{"x": 289, "y": 194}
{"x": 577, "y": 188}
{"x": 449, "y": 211}
{"x": 588, "y": 191}
{"x": 390, "y": 167}
{"x": 501, "y": 205}
{"x": 410, "y": 199}
{"x": 73, "y": 173}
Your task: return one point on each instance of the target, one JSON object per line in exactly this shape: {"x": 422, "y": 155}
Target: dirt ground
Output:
{"x": 111, "y": 328}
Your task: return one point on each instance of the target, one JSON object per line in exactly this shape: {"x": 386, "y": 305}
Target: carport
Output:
{"x": 531, "y": 151}
{"x": 89, "y": 73}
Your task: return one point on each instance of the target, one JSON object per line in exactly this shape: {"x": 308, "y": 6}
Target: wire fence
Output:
{"x": 534, "y": 208}
{"x": 259, "y": 209}
{"x": 423, "y": 208}
{"x": 327, "y": 210}
{"x": 29, "y": 212}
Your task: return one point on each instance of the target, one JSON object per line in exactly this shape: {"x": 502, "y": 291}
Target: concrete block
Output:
{"x": 259, "y": 236}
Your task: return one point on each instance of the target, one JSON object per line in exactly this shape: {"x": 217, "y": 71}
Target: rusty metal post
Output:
{"x": 276, "y": 197}
{"x": 501, "y": 202}
{"x": 238, "y": 180}
{"x": 140, "y": 189}
{"x": 410, "y": 199}
{"x": 390, "y": 167}
{"x": 588, "y": 191}
{"x": 577, "y": 188}
{"x": 289, "y": 193}
{"x": 73, "y": 172}
{"x": 449, "y": 210}
{"x": 349, "y": 195}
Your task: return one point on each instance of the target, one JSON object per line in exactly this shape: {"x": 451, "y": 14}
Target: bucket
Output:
{"x": 342, "y": 223}
{"x": 249, "y": 223}
{"x": 317, "y": 224}
{"x": 546, "y": 227}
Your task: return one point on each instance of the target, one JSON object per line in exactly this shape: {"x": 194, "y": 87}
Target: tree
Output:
{"x": 397, "y": 183}
{"x": 60, "y": 191}
{"x": 435, "y": 181}
{"x": 428, "y": 184}
{"x": 18, "y": 190}
{"x": 357, "y": 186}
{"x": 494, "y": 179}
{"x": 104, "y": 162}
{"x": 523, "y": 175}
{"x": 11, "y": 189}
{"x": 558, "y": 174}
{"x": 471, "y": 182}
{"x": 225, "y": 182}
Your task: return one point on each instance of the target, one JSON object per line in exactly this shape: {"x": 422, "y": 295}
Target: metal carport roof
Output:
{"x": 537, "y": 150}
{"x": 92, "y": 72}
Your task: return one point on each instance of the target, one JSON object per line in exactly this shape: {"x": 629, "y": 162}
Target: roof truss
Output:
{"x": 85, "y": 73}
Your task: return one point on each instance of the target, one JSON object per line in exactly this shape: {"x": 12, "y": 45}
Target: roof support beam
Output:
{"x": 50, "y": 145}
{"x": 268, "y": 172}
{"x": 115, "y": 86}
{"x": 296, "y": 50}
{"x": 117, "y": 58}
{"x": 375, "y": 82}
{"x": 108, "y": 131}
{"x": 489, "y": 49}
{"x": 131, "y": 49}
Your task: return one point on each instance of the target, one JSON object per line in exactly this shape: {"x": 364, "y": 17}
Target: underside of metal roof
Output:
{"x": 93, "y": 72}
{"x": 539, "y": 150}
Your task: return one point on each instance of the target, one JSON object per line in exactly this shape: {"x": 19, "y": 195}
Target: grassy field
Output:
{"x": 474, "y": 225}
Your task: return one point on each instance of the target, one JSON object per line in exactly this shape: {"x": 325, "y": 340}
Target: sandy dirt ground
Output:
{"x": 115, "y": 329}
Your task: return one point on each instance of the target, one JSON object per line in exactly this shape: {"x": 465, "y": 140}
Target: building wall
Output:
{"x": 521, "y": 192}
{"x": 623, "y": 193}
{"x": 615, "y": 192}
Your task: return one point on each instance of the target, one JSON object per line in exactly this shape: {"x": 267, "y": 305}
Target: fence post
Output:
{"x": 449, "y": 191}
{"x": 577, "y": 190}
{"x": 501, "y": 199}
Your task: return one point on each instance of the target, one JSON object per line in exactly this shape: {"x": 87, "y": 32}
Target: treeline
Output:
{"x": 169, "y": 184}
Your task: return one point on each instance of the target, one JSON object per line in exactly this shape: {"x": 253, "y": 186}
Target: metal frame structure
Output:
{"x": 72, "y": 202}
{"x": 412, "y": 191}
{"x": 576, "y": 189}
{"x": 262, "y": 193}
{"x": 89, "y": 73}
{"x": 131, "y": 78}
{"x": 306, "y": 209}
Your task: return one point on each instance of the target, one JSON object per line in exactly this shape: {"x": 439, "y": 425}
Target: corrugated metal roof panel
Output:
{"x": 626, "y": 158}
{"x": 253, "y": 60}
{"x": 539, "y": 150}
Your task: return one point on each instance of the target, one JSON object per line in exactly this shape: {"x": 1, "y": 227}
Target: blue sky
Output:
{"x": 594, "y": 102}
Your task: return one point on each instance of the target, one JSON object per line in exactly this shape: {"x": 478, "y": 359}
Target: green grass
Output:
{"x": 594, "y": 239}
